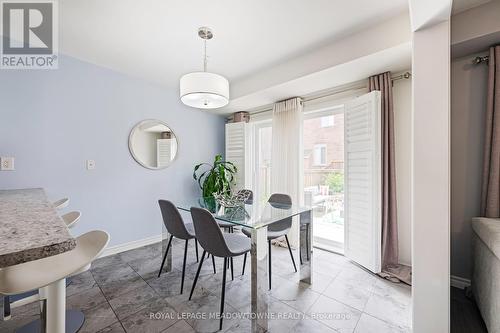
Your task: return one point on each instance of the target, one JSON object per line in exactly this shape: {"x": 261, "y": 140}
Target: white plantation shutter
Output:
{"x": 163, "y": 152}
{"x": 238, "y": 152}
{"x": 363, "y": 181}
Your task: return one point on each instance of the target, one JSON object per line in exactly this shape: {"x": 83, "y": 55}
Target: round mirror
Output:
{"x": 153, "y": 144}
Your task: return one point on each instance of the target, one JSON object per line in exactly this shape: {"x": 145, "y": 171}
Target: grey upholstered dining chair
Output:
{"x": 276, "y": 230}
{"x": 176, "y": 228}
{"x": 218, "y": 244}
{"x": 248, "y": 195}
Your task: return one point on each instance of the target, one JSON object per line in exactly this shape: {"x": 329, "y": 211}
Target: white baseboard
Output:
{"x": 459, "y": 282}
{"x": 130, "y": 245}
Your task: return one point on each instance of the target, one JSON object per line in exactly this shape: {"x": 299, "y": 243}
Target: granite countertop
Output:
{"x": 30, "y": 227}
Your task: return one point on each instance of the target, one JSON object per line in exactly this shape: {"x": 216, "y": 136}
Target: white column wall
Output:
{"x": 431, "y": 179}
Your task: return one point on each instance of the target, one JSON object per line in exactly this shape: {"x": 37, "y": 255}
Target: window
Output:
{"x": 320, "y": 154}
{"x": 327, "y": 121}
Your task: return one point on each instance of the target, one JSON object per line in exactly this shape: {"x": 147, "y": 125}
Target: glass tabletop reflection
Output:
{"x": 250, "y": 215}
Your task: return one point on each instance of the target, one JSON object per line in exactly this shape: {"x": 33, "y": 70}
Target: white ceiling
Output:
{"x": 157, "y": 39}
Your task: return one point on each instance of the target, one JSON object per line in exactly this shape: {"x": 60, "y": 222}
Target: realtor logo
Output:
{"x": 29, "y": 34}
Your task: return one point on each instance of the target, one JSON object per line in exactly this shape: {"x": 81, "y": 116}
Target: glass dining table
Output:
{"x": 256, "y": 217}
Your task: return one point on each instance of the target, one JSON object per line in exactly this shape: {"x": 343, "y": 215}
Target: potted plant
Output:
{"x": 216, "y": 179}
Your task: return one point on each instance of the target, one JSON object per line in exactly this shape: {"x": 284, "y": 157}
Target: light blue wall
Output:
{"x": 53, "y": 121}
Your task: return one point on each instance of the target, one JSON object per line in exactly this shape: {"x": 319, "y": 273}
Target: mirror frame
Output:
{"x": 134, "y": 156}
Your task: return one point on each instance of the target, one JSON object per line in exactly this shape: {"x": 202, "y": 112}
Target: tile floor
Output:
{"x": 122, "y": 292}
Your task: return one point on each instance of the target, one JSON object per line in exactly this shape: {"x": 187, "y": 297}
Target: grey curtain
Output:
{"x": 390, "y": 253}
{"x": 490, "y": 195}
{"x": 391, "y": 269}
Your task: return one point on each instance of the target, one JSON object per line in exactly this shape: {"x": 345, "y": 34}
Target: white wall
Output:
{"x": 468, "y": 107}
{"x": 431, "y": 179}
{"x": 402, "y": 132}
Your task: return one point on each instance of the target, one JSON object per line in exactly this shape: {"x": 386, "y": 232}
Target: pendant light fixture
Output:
{"x": 204, "y": 90}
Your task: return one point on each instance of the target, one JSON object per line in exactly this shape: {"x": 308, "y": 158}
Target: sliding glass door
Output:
{"x": 323, "y": 171}
{"x": 323, "y": 142}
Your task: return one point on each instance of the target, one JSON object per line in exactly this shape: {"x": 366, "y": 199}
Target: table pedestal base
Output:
{"x": 74, "y": 321}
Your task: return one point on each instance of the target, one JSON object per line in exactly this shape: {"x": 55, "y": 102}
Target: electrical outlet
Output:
{"x": 7, "y": 163}
{"x": 90, "y": 164}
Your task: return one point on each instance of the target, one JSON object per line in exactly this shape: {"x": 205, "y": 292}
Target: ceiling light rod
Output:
{"x": 204, "y": 90}
{"x": 205, "y": 33}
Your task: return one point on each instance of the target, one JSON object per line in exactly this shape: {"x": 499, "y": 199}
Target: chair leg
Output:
{"x": 232, "y": 270}
{"x": 196, "y": 248}
{"x": 269, "y": 260}
{"x": 197, "y": 274}
{"x": 223, "y": 294}
{"x": 291, "y": 254}
{"x": 165, "y": 256}
{"x": 213, "y": 263}
{"x": 300, "y": 255}
{"x": 307, "y": 242}
{"x": 184, "y": 265}
{"x": 6, "y": 307}
{"x": 244, "y": 263}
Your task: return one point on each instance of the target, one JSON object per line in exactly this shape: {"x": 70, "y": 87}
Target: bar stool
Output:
{"x": 276, "y": 230}
{"x": 216, "y": 243}
{"x": 61, "y": 203}
{"x": 50, "y": 273}
{"x": 71, "y": 218}
{"x": 177, "y": 228}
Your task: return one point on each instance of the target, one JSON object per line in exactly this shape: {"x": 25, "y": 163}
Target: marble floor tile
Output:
{"x": 122, "y": 285}
{"x": 238, "y": 293}
{"x": 98, "y": 318}
{"x": 86, "y": 300}
{"x": 202, "y": 313}
{"x": 147, "y": 269}
{"x": 180, "y": 327}
{"x": 369, "y": 324}
{"x": 115, "y": 328}
{"x": 80, "y": 282}
{"x": 357, "y": 275}
{"x": 282, "y": 317}
{"x": 327, "y": 267}
{"x": 334, "y": 314}
{"x": 10, "y": 326}
{"x": 20, "y": 316}
{"x": 169, "y": 283}
{"x": 308, "y": 325}
{"x": 145, "y": 253}
{"x": 107, "y": 274}
{"x": 399, "y": 292}
{"x": 353, "y": 294}
{"x": 389, "y": 310}
{"x": 321, "y": 282}
{"x": 107, "y": 262}
{"x": 297, "y": 295}
{"x": 132, "y": 301}
{"x": 156, "y": 316}
{"x": 121, "y": 292}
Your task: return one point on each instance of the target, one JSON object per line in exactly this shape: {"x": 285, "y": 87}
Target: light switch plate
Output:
{"x": 7, "y": 163}
{"x": 90, "y": 164}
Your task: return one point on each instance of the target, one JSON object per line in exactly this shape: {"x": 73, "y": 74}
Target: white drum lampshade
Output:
{"x": 204, "y": 90}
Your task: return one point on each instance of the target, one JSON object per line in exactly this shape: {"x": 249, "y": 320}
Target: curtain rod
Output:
{"x": 479, "y": 60}
{"x": 404, "y": 76}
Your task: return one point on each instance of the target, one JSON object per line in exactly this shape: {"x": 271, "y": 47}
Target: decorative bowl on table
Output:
{"x": 229, "y": 201}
